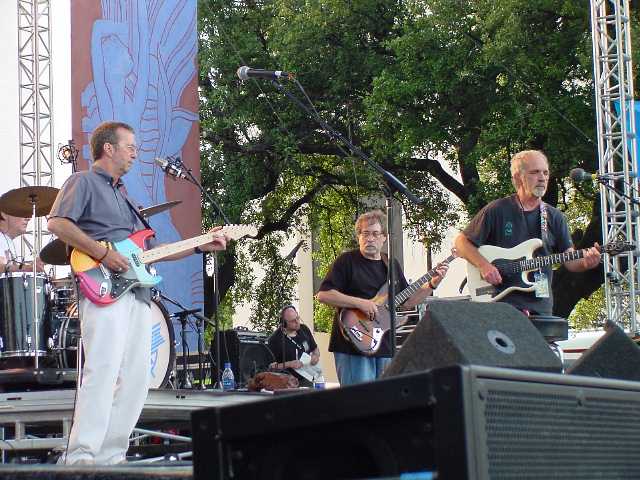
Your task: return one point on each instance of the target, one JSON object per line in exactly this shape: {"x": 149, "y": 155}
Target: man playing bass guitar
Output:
{"x": 352, "y": 282}
{"x": 510, "y": 221}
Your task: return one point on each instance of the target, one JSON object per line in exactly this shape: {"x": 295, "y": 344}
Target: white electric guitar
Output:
{"x": 515, "y": 264}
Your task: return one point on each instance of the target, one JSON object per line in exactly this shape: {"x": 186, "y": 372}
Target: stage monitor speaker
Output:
{"x": 471, "y": 333}
{"x": 462, "y": 422}
{"x": 246, "y": 351}
{"x": 614, "y": 355}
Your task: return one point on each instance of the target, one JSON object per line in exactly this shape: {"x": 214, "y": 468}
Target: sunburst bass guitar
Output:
{"x": 366, "y": 334}
{"x": 104, "y": 287}
{"x": 517, "y": 263}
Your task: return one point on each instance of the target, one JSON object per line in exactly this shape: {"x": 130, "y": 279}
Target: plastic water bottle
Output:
{"x": 228, "y": 380}
{"x": 318, "y": 382}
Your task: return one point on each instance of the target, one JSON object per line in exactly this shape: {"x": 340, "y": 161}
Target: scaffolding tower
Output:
{"x": 613, "y": 83}
{"x": 35, "y": 105}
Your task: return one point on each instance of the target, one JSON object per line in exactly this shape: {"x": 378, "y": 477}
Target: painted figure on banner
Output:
{"x": 143, "y": 57}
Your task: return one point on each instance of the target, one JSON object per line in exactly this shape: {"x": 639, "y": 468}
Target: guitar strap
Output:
{"x": 385, "y": 259}
{"x": 544, "y": 225}
{"x": 136, "y": 211}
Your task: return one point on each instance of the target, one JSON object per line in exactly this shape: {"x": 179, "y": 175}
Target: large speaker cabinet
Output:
{"x": 469, "y": 333}
{"x": 463, "y": 422}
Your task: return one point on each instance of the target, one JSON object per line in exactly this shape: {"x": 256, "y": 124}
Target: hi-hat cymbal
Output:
{"x": 161, "y": 207}
{"x": 19, "y": 201}
{"x": 55, "y": 253}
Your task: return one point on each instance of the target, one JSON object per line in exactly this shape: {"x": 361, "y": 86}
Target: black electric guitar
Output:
{"x": 364, "y": 333}
{"x": 515, "y": 264}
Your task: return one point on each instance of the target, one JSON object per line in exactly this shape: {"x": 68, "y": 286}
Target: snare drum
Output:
{"x": 63, "y": 294}
{"x": 17, "y": 327}
{"x": 163, "y": 350}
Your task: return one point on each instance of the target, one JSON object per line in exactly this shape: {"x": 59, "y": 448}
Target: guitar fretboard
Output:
{"x": 517, "y": 266}
{"x": 402, "y": 297}
{"x": 158, "y": 253}
{"x": 234, "y": 232}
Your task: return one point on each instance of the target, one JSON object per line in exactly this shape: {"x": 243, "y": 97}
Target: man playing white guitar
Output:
{"x": 510, "y": 221}
{"x": 90, "y": 208}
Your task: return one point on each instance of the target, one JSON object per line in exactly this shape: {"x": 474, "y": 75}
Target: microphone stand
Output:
{"x": 283, "y": 324}
{"x": 603, "y": 182}
{"x": 188, "y": 176}
{"x": 183, "y": 382}
{"x": 390, "y": 186}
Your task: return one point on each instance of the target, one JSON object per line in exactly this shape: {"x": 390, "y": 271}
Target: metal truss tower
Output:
{"x": 36, "y": 100}
{"x": 613, "y": 82}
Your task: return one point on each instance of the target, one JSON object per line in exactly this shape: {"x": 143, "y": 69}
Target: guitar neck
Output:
{"x": 160, "y": 253}
{"x": 402, "y": 297}
{"x": 529, "y": 264}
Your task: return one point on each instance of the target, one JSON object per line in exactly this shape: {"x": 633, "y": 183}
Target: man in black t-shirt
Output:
{"x": 353, "y": 280}
{"x": 507, "y": 222}
{"x": 289, "y": 344}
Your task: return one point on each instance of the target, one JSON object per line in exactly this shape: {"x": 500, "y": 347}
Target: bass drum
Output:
{"x": 163, "y": 349}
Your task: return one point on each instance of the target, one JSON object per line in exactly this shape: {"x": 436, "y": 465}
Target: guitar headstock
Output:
{"x": 617, "y": 247}
{"x": 235, "y": 231}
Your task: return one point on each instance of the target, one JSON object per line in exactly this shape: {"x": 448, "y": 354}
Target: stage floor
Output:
{"x": 40, "y": 421}
{"x": 120, "y": 472}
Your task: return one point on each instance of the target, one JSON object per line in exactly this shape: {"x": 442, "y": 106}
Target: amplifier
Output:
{"x": 245, "y": 350}
{"x": 463, "y": 422}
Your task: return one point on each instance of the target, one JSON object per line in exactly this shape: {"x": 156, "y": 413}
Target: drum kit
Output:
{"x": 39, "y": 323}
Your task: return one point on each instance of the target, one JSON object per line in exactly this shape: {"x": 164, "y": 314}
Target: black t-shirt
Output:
{"x": 293, "y": 346}
{"x": 354, "y": 275}
{"x": 503, "y": 223}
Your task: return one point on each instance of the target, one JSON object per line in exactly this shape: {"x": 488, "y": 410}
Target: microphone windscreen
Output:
{"x": 578, "y": 174}
{"x": 242, "y": 73}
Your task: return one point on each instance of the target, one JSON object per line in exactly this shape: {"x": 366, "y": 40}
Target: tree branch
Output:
{"x": 283, "y": 223}
{"x": 434, "y": 168}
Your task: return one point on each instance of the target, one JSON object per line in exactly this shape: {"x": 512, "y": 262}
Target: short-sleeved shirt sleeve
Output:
{"x": 72, "y": 199}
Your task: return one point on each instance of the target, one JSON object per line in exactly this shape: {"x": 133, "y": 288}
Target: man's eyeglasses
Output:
{"x": 131, "y": 148}
{"x": 366, "y": 234}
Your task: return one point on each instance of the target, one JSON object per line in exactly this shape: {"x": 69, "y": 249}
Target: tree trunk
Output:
{"x": 569, "y": 287}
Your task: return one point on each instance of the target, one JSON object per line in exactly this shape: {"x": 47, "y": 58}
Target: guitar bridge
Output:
{"x": 488, "y": 290}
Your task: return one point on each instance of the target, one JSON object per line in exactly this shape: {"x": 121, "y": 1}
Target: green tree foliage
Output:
{"x": 439, "y": 92}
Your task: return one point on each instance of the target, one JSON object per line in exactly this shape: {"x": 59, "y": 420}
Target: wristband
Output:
{"x": 106, "y": 252}
{"x": 197, "y": 250}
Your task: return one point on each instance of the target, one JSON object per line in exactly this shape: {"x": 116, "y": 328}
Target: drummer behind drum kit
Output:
{"x": 39, "y": 324}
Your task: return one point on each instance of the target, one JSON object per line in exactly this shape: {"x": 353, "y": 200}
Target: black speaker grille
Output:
{"x": 540, "y": 433}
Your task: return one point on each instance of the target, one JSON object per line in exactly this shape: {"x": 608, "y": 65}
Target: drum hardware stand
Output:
{"x": 34, "y": 201}
{"x": 182, "y": 317}
{"x": 181, "y": 171}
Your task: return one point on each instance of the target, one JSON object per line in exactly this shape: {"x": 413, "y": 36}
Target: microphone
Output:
{"x": 185, "y": 313}
{"x": 245, "y": 73}
{"x": 579, "y": 175}
{"x": 292, "y": 254}
{"x": 170, "y": 168}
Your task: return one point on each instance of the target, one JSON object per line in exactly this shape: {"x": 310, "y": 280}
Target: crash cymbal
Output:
{"x": 55, "y": 253}
{"x": 161, "y": 207}
{"x": 19, "y": 201}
